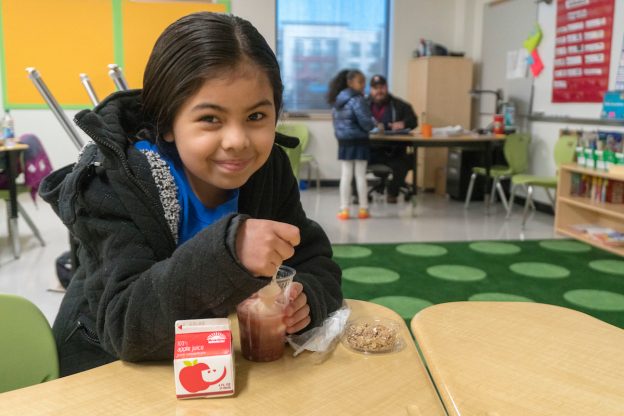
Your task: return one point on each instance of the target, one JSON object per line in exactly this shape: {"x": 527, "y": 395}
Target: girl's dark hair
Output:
{"x": 339, "y": 83}
{"x": 195, "y": 48}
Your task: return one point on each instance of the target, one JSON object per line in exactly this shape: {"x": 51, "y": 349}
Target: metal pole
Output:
{"x": 33, "y": 74}
{"x": 115, "y": 73}
{"x": 86, "y": 82}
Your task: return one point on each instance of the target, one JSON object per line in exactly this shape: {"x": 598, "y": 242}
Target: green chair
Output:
{"x": 301, "y": 131}
{"x": 516, "y": 151}
{"x": 294, "y": 154}
{"x": 564, "y": 153}
{"x": 27, "y": 348}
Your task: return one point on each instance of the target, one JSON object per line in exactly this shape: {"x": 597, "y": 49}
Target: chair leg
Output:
{"x": 493, "y": 191}
{"x": 527, "y": 204}
{"x": 473, "y": 178}
{"x": 511, "y": 201}
{"x": 501, "y": 195}
{"x": 30, "y": 223}
{"x": 318, "y": 175}
{"x": 526, "y": 189}
{"x": 13, "y": 229}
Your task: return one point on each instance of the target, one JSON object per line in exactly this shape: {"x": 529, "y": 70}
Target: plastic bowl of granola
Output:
{"x": 372, "y": 335}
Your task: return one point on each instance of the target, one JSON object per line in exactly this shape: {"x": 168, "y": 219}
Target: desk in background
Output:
{"x": 347, "y": 383}
{"x": 517, "y": 358}
{"x": 416, "y": 140}
{"x": 11, "y": 156}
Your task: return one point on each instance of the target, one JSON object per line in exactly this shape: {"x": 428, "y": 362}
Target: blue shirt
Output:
{"x": 194, "y": 216}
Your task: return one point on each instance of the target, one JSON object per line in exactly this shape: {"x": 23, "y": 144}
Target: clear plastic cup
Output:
{"x": 284, "y": 278}
{"x": 262, "y": 331}
{"x": 261, "y": 321}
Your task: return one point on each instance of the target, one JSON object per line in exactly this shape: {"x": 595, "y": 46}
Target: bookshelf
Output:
{"x": 574, "y": 210}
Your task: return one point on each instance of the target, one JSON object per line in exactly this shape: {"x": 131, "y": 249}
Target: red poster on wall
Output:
{"x": 582, "y": 50}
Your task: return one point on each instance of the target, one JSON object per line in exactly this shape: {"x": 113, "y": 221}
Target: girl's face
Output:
{"x": 357, "y": 83}
{"x": 225, "y": 131}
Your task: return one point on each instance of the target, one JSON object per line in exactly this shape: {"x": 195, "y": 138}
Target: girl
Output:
{"x": 352, "y": 122}
{"x": 183, "y": 204}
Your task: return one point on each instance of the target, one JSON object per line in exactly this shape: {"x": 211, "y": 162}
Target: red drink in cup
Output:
{"x": 261, "y": 319}
{"x": 262, "y": 330}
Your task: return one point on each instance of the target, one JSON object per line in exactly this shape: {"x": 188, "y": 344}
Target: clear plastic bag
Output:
{"x": 322, "y": 339}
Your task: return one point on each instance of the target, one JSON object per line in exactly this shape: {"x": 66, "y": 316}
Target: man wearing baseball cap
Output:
{"x": 394, "y": 114}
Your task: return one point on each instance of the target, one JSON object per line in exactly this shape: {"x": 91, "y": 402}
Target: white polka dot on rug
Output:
{"x": 370, "y": 275}
{"x": 567, "y": 246}
{"x": 421, "y": 250}
{"x": 351, "y": 252}
{"x": 456, "y": 273}
{"x": 498, "y": 297}
{"x": 539, "y": 270}
{"x": 600, "y": 300}
{"x": 496, "y": 248}
{"x": 608, "y": 266}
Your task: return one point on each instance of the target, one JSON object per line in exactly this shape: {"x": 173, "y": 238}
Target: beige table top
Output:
{"x": 15, "y": 147}
{"x": 347, "y": 383}
{"x": 516, "y": 358}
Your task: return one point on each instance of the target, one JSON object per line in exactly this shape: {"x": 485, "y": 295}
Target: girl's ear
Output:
{"x": 168, "y": 137}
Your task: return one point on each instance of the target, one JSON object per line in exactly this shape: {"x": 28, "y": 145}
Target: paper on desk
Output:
{"x": 448, "y": 130}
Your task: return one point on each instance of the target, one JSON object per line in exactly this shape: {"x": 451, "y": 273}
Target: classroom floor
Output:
{"x": 438, "y": 219}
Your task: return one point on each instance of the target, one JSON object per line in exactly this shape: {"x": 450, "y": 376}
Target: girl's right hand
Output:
{"x": 263, "y": 245}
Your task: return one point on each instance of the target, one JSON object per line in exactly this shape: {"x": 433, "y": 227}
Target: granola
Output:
{"x": 374, "y": 337}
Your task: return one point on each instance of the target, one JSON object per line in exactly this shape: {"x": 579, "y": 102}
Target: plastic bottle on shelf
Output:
{"x": 499, "y": 124}
{"x": 8, "y": 127}
{"x": 509, "y": 114}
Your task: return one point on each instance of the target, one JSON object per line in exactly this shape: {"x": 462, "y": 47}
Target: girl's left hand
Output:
{"x": 297, "y": 312}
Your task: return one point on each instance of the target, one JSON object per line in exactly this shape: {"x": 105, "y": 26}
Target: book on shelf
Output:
{"x": 597, "y": 189}
{"x": 606, "y": 235}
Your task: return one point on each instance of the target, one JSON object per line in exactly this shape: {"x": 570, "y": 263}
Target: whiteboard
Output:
{"x": 505, "y": 27}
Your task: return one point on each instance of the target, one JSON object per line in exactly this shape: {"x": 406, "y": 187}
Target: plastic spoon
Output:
{"x": 268, "y": 293}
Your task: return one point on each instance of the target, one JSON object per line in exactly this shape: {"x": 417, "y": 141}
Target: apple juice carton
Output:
{"x": 203, "y": 362}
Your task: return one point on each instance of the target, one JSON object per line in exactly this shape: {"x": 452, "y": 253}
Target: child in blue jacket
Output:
{"x": 352, "y": 122}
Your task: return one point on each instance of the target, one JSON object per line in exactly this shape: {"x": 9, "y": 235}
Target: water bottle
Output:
{"x": 509, "y": 114}
{"x": 8, "y": 127}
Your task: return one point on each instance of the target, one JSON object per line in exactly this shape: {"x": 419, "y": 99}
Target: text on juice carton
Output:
{"x": 203, "y": 361}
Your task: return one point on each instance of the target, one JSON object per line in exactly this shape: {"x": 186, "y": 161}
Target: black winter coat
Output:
{"x": 132, "y": 283}
{"x": 351, "y": 117}
{"x": 398, "y": 110}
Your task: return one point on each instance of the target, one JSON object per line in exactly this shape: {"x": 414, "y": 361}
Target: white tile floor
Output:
{"x": 438, "y": 219}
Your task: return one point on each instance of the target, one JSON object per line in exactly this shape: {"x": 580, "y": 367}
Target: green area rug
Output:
{"x": 410, "y": 277}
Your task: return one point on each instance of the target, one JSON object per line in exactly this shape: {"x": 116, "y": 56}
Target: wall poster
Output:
{"x": 582, "y": 50}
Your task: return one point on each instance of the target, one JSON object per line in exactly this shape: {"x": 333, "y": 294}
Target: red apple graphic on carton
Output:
{"x": 191, "y": 376}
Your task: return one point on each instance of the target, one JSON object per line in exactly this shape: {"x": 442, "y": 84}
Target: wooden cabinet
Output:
{"x": 576, "y": 210}
{"x": 438, "y": 86}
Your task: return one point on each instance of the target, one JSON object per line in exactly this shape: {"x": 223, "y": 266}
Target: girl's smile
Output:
{"x": 233, "y": 165}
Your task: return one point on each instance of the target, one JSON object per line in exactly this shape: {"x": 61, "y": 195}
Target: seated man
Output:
{"x": 394, "y": 114}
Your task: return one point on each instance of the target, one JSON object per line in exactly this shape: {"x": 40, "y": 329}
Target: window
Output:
{"x": 317, "y": 39}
